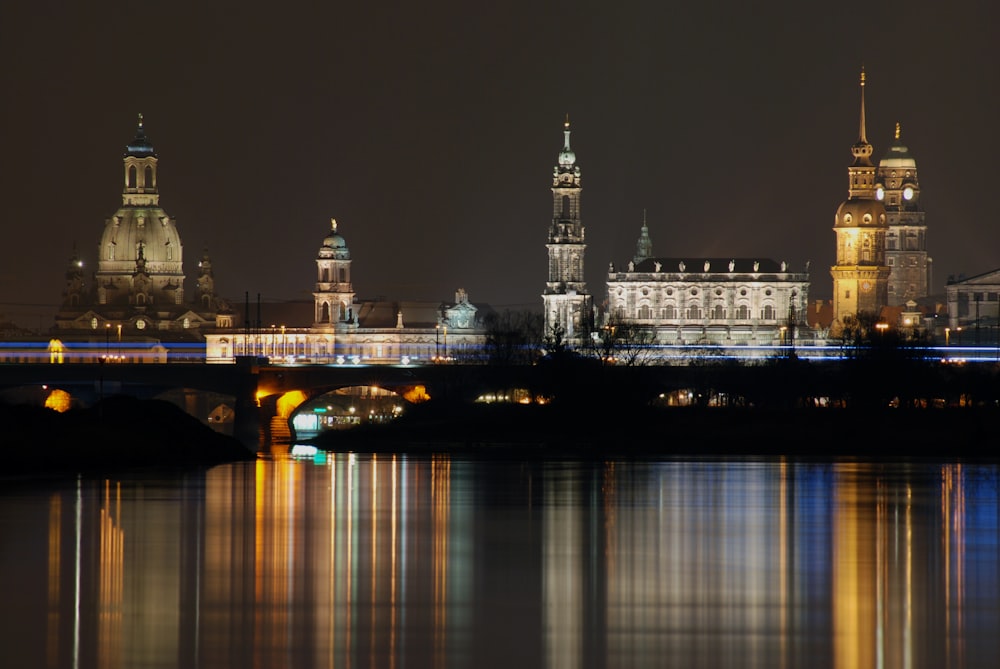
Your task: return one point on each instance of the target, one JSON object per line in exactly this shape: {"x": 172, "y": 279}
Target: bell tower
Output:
{"x": 334, "y": 292}
{"x": 566, "y": 300}
{"x": 861, "y": 276}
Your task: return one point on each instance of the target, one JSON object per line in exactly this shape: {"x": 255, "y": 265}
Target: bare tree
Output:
{"x": 513, "y": 337}
{"x": 623, "y": 342}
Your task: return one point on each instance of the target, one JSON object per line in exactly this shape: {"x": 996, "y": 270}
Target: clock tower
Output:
{"x": 861, "y": 276}
{"x": 566, "y": 300}
{"x": 897, "y": 186}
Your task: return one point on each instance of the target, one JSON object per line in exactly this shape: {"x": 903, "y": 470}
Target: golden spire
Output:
{"x": 897, "y": 130}
{"x": 864, "y": 139}
{"x": 333, "y": 224}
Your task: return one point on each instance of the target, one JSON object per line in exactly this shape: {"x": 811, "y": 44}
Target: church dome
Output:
{"x": 334, "y": 245}
{"x": 150, "y": 228}
{"x": 860, "y": 213}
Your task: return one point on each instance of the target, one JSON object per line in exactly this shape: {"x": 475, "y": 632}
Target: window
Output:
{"x": 93, "y": 323}
{"x": 670, "y": 312}
{"x": 645, "y": 312}
{"x": 719, "y": 312}
{"x": 767, "y": 313}
{"x": 743, "y": 312}
{"x": 693, "y": 312}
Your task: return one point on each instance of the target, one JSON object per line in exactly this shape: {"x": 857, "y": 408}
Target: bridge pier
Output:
{"x": 246, "y": 421}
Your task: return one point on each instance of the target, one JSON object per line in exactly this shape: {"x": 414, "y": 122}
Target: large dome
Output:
{"x": 134, "y": 227}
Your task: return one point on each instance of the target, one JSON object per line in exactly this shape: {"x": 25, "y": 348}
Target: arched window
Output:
{"x": 148, "y": 178}
{"x": 131, "y": 177}
{"x": 565, "y": 206}
{"x": 743, "y": 312}
{"x": 324, "y": 313}
{"x": 343, "y": 275}
{"x": 645, "y": 312}
{"x": 767, "y": 313}
{"x": 693, "y": 312}
{"x": 670, "y": 312}
{"x": 719, "y": 312}
{"x": 325, "y": 278}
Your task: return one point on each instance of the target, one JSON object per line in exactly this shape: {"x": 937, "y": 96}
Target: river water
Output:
{"x": 396, "y": 561}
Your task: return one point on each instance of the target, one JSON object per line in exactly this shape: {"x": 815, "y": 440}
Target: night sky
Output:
{"x": 430, "y": 130}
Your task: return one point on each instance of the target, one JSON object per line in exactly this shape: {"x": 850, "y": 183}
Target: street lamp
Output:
{"x": 881, "y": 327}
{"x": 947, "y": 336}
{"x": 437, "y": 342}
{"x": 119, "y": 342}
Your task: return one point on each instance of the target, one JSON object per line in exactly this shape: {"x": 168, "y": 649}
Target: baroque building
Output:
{"x": 567, "y": 304}
{"x": 898, "y": 188}
{"x": 136, "y": 294}
{"x": 708, "y": 301}
{"x": 860, "y": 275}
{"x": 338, "y": 328}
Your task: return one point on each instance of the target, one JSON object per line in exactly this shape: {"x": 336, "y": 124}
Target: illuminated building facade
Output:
{"x": 338, "y": 328}
{"x": 719, "y": 301}
{"x": 566, "y": 302}
{"x": 137, "y": 291}
{"x": 973, "y": 310}
{"x": 861, "y": 275}
{"x": 898, "y": 188}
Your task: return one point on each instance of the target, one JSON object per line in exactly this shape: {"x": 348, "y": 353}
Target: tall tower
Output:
{"x": 334, "y": 293}
{"x": 861, "y": 276}
{"x": 566, "y": 301}
{"x": 896, "y": 185}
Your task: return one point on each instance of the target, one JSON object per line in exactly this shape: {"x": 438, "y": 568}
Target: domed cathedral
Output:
{"x": 334, "y": 293}
{"x": 566, "y": 301}
{"x": 137, "y": 289}
{"x": 861, "y": 275}
{"x": 897, "y": 186}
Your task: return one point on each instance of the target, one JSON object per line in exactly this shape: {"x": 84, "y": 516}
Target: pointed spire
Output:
{"x": 862, "y": 139}
{"x": 897, "y": 130}
{"x": 566, "y": 133}
{"x": 862, "y": 150}
{"x": 333, "y": 224}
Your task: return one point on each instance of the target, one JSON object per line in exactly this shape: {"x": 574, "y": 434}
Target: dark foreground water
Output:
{"x": 403, "y": 562}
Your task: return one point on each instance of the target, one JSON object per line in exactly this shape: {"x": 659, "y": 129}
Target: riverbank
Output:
{"x": 680, "y": 431}
{"x": 116, "y": 434}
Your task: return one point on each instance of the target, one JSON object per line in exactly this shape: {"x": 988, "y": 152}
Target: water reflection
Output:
{"x": 393, "y": 561}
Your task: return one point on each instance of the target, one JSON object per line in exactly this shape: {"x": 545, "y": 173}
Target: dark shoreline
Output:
{"x": 118, "y": 434}
{"x": 547, "y": 431}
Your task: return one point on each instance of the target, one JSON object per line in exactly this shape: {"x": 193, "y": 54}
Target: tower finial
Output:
{"x": 897, "y": 130}
{"x": 333, "y": 224}
{"x": 140, "y": 120}
{"x": 566, "y": 123}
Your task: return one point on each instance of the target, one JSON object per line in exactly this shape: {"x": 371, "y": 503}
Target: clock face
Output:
{"x": 908, "y": 193}
{"x": 866, "y": 286}
{"x": 880, "y": 193}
